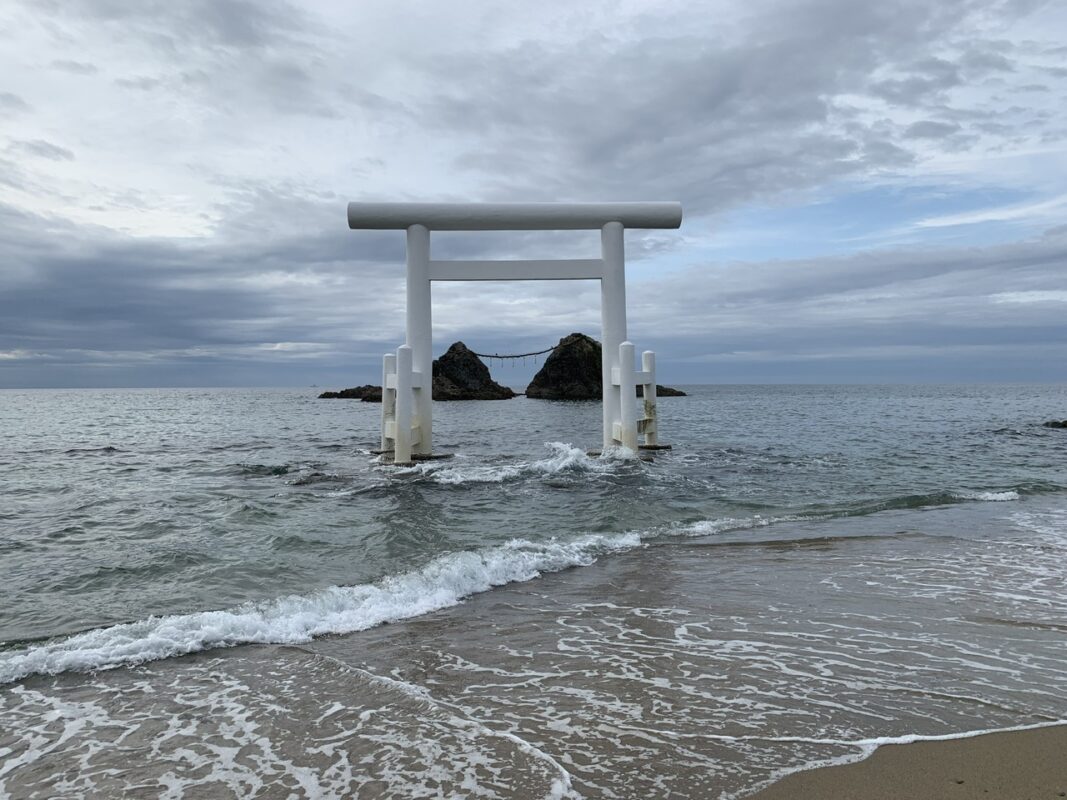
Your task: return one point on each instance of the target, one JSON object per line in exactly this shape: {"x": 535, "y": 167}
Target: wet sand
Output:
{"x": 1014, "y": 765}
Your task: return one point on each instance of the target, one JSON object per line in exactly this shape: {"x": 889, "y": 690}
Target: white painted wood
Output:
{"x": 512, "y": 216}
{"x": 419, "y": 329}
{"x": 639, "y": 377}
{"x": 648, "y": 378}
{"x": 612, "y": 322}
{"x": 388, "y": 397}
{"x": 402, "y": 425}
{"x": 416, "y": 381}
{"x": 627, "y": 396}
{"x": 578, "y": 269}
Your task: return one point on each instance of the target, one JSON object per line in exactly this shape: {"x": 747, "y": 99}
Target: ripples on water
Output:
{"x": 812, "y": 568}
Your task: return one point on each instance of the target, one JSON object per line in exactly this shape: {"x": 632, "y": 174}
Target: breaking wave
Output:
{"x": 443, "y": 582}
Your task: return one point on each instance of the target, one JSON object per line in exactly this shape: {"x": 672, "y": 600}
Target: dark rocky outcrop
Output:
{"x": 366, "y": 393}
{"x": 1056, "y": 423}
{"x": 461, "y": 375}
{"x": 372, "y": 395}
{"x": 573, "y": 372}
{"x": 661, "y": 391}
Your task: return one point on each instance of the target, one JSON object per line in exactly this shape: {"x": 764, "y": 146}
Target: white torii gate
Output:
{"x": 407, "y": 418}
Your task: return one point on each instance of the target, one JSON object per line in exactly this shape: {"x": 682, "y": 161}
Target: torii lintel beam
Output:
{"x": 512, "y": 216}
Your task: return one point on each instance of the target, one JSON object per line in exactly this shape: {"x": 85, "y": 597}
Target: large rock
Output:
{"x": 1056, "y": 423}
{"x": 366, "y": 393}
{"x": 461, "y": 375}
{"x": 572, "y": 372}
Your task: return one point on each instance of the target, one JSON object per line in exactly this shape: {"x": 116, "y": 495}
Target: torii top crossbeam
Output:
{"x": 512, "y": 216}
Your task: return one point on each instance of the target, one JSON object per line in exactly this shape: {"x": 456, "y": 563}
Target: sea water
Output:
{"x": 196, "y": 586}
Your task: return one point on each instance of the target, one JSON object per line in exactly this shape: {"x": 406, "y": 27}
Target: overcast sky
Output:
{"x": 873, "y": 191}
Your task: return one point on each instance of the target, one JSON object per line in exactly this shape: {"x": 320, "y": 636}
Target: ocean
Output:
{"x": 213, "y": 593}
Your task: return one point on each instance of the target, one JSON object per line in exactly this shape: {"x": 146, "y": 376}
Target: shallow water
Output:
{"x": 811, "y": 569}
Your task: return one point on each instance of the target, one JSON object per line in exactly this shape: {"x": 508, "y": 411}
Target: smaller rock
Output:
{"x": 355, "y": 393}
{"x": 1056, "y": 423}
{"x": 662, "y": 391}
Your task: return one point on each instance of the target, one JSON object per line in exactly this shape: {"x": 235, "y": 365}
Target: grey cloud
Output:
{"x": 978, "y": 61}
{"x": 192, "y": 24}
{"x": 914, "y": 90}
{"x": 82, "y": 292}
{"x": 710, "y": 123}
{"x": 43, "y": 149}
{"x": 934, "y": 308}
{"x": 258, "y": 52}
{"x": 12, "y": 103}
{"x": 939, "y": 69}
{"x": 75, "y": 67}
{"x": 142, "y": 83}
{"x": 930, "y": 129}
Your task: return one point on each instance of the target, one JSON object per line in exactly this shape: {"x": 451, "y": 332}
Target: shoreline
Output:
{"x": 1025, "y": 763}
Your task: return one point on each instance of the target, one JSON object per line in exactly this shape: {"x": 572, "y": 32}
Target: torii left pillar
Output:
{"x": 420, "y": 335}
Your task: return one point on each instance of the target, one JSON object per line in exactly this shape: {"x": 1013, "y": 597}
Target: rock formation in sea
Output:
{"x": 461, "y": 375}
{"x": 572, "y": 372}
{"x": 1056, "y": 423}
{"x": 367, "y": 393}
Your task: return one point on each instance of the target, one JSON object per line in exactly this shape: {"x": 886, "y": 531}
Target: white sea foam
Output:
{"x": 443, "y": 582}
{"x": 987, "y": 497}
{"x": 563, "y": 458}
{"x": 725, "y": 524}
{"x": 1048, "y": 522}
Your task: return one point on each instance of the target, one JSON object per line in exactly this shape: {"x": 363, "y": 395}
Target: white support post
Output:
{"x": 627, "y": 397}
{"x": 388, "y": 398}
{"x": 613, "y": 321}
{"x": 648, "y": 366}
{"x": 419, "y": 333}
{"x": 402, "y": 433}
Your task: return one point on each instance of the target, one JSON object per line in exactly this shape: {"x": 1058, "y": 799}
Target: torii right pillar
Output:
{"x": 613, "y": 333}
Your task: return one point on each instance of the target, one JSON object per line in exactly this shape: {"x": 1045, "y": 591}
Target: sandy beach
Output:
{"x": 1014, "y": 765}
